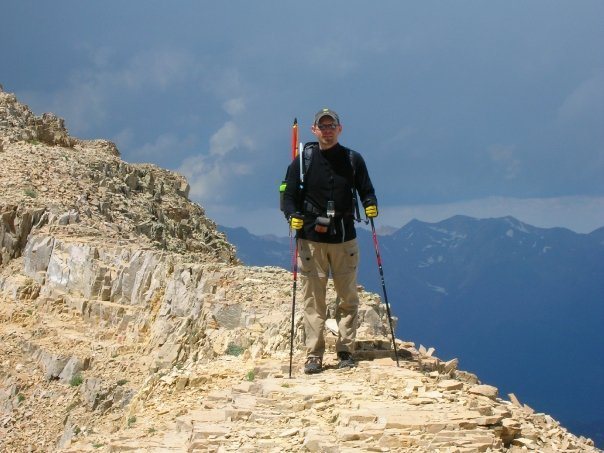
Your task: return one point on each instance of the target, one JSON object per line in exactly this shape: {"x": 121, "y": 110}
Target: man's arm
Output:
{"x": 363, "y": 183}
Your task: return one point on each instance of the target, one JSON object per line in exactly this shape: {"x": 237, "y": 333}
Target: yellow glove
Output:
{"x": 371, "y": 211}
{"x": 296, "y": 223}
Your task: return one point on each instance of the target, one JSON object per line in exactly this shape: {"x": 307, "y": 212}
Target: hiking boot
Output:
{"x": 313, "y": 365}
{"x": 346, "y": 360}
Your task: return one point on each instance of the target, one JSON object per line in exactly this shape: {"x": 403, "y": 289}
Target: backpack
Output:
{"x": 305, "y": 159}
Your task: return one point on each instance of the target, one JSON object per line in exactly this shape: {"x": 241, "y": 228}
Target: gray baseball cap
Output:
{"x": 327, "y": 112}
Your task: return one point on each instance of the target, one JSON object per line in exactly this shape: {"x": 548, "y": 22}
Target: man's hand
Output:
{"x": 371, "y": 211}
{"x": 296, "y": 222}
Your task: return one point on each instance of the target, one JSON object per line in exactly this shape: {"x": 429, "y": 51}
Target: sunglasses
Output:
{"x": 326, "y": 127}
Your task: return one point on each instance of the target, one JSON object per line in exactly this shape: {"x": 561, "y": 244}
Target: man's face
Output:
{"x": 327, "y": 131}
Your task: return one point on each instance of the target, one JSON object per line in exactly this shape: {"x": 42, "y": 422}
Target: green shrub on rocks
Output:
{"x": 30, "y": 192}
{"x": 234, "y": 349}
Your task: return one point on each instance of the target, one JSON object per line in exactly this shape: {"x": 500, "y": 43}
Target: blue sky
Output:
{"x": 471, "y": 107}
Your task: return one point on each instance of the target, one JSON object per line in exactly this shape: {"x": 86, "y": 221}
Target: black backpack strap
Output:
{"x": 304, "y": 160}
{"x": 355, "y": 198}
{"x": 307, "y": 156}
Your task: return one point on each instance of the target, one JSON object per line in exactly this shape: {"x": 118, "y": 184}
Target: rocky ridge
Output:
{"x": 82, "y": 188}
{"x": 127, "y": 324}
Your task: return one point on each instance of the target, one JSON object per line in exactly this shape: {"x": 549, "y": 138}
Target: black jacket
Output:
{"x": 329, "y": 177}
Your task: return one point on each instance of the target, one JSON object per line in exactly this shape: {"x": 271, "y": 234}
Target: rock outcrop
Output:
{"x": 127, "y": 324}
{"x": 81, "y": 188}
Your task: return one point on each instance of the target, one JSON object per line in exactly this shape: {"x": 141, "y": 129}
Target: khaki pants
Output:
{"x": 315, "y": 261}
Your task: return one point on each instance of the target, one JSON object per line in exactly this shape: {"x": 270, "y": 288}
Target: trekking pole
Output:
{"x": 294, "y": 254}
{"x": 379, "y": 262}
{"x": 295, "y": 270}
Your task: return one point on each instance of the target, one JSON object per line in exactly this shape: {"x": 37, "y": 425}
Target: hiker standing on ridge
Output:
{"x": 321, "y": 210}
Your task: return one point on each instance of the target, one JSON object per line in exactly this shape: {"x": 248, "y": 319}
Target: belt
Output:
{"x": 311, "y": 209}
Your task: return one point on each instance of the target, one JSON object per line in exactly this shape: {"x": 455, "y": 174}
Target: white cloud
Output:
{"x": 234, "y": 106}
{"x": 582, "y": 214}
{"x": 503, "y": 156}
{"x": 81, "y": 104}
{"x": 212, "y": 174}
{"x": 206, "y": 178}
{"x": 333, "y": 58}
{"x": 225, "y": 139}
{"x": 124, "y": 139}
{"x": 161, "y": 68}
{"x": 164, "y": 144}
{"x": 150, "y": 69}
{"x": 587, "y": 100}
{"x": 222, "y": 80}
{"x": 86, "y": 100}
{"x": 229, "y": 138}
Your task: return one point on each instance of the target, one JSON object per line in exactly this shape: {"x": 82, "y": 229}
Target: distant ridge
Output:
{"x": 598, "y": 235}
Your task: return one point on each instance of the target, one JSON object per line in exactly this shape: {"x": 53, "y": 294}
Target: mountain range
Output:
{"x": 521, "y": 306}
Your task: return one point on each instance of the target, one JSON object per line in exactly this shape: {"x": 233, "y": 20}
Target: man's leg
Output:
{"x": 344, "y": 260}
{"x": 314, "y": 268}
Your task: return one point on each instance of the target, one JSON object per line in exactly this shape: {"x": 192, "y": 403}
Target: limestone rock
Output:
{"x": 486, "y": 390}
{"x": 450, "y": 384}
{"x": 18, "y": 123}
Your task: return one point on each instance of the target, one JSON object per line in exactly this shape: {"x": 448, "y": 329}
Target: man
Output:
{"x": 321, "y": 210}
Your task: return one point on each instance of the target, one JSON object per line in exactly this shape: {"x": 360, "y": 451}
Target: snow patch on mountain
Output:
{"x": 449, "y": 239}
{"x": 516, "y": 224}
